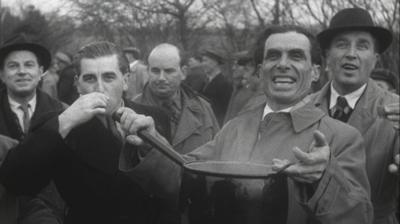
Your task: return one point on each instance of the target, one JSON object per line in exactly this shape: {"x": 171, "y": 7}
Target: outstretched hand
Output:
{"x": 311, "y": 165}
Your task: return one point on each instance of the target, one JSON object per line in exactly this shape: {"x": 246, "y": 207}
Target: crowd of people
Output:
{"x": 70, "y": 151}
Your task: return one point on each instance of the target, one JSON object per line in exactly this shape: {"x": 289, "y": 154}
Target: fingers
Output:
{"x": 134, "y": 140}
{"x": 320, "y": 139}
{"x": 131, "y": 122}
{"x": 393, "y": 108}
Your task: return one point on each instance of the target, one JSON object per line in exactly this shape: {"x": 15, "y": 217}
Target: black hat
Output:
{"x": 354, "y": 19}
{"x": 20, "y": 42}
{"x": 215, "y": 55}
{"x": 243, "y": 57}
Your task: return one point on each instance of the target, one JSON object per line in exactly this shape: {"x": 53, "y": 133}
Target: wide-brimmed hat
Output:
{"x": 355, "y": 19}
{"x": 20, "y": 42}
{"x": 215, "y": 55}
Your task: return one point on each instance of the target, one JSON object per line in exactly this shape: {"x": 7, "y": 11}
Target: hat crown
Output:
{"x": 352, "y": 17}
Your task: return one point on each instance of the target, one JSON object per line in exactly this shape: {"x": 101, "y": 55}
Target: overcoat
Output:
{"x": 381, "y": 144}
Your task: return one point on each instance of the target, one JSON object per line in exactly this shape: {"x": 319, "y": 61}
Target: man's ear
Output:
{"x": 315, "y": 73}
{"x": 184, "y": 71}
{"x": 41, "y": 72}
{"x": 76, "y": 84}
{"x": 126, "y": 81}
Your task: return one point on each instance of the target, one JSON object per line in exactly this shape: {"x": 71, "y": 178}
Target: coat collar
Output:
{"x": 363, "y": 115}
{"x": 303, "y": 115}
{"x": 190, "y": 120}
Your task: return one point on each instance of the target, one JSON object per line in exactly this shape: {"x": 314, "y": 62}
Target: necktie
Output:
{"x": 25, "y": 119}
{"x": 342, "y": 110}
{"x": 173, "y": 114}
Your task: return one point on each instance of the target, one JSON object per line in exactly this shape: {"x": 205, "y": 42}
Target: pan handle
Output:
{"x": 157, "y": 144}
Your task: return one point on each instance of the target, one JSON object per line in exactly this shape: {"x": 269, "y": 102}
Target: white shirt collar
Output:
{"x": 351, "y": 98}
{"x": 268, "y": 110}
{"x": 15, "y": 105}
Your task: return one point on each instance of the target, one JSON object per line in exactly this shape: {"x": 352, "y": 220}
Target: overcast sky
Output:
{"x": 43, "y": 5}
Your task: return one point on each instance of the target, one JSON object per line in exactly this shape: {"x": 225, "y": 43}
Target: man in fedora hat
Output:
{"x": 218, "y": 89}
{"x": 22, "y": 108}
{"x": 351, "y": 46}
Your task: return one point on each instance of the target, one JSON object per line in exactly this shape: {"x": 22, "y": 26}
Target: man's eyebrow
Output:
{"x": 297, "y": 50}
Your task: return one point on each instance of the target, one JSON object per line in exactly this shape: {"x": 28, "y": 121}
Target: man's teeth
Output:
{"x": 349, "y": 66}
{"x": 283, "y": 80}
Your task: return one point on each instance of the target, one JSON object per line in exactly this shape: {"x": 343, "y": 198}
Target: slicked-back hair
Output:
{"x": 100, "y": 49}
{"x": 259, "y": 46}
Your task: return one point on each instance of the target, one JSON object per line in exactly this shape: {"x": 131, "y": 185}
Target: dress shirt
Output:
{"x": 15, "y": 107}
{"x": 351, "y": 98}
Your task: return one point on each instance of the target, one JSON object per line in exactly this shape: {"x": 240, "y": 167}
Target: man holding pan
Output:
{"x": 79, "y": 148}
{"x": 327, "y": 182}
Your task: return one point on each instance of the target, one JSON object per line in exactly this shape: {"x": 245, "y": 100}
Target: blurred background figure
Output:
{"x": 196, "y": 77}
{"x": 386, "y": 80}
{"x": 138, "y": 73}
{"x": 246, "y": 83}
{"x": 67, "y": 92}
{"x": 218, "y": 89}
{"x": 50, "y": 81}
{"x": 194, "y": 61}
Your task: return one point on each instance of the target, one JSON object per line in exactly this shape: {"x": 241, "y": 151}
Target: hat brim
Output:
{"x": 41, "y": 53}
{"x": 382, "y": 36}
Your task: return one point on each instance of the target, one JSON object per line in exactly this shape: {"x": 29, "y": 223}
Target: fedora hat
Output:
{"x": 215, "y": 55}
{"x": 354, "y": 19}
{"x": 20, "y": 42}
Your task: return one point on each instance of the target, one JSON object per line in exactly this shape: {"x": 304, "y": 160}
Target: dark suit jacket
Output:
{"x": 45, "y": 105}
{"x": 47, "y": 207}
{"x": 84, "y": 168}
{"x": 218, "y": 91}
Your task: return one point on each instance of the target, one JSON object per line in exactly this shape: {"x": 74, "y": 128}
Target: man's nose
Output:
{"x": 162, "y": 75}
{"x": 100, "y": 87}
{"x": 351, "y": 52}
{"x": 22, "y": 70}
{"x": 283, "y": 62}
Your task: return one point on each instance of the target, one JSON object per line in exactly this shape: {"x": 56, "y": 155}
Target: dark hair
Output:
{"x": 260, "y": 44}
{"x": 100, "y": 49}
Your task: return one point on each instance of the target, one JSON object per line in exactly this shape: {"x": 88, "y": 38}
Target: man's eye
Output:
{"x": 12, "y": 65}
{"x": 362, "y": 46}
{"x": 155, "y": 70}
{"x": 109, "y": 76}
{"x": 272, "y": 56}
{"x": 170, "y": 70}
{"x": 89, "y": 78}
{"x": 297, "y": 56}
{"x": 341, "y": 44}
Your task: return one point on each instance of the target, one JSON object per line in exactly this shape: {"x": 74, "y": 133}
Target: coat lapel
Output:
{"x": 362, "y": 117}
{"x": 189, "y": 122}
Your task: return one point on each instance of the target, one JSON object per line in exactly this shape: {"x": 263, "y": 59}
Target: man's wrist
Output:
{"x": 64, "y": 125}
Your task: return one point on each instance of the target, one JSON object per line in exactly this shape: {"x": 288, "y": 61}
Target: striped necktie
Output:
{"x": 26, "y": 118}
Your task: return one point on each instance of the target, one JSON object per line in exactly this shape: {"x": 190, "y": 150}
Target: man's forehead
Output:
{"x": 21, "y": 53}
{"x": 165, "y": 57}
{"x": 359, "y": 34}
{"x": 288, "y": 40}
{"x": 109, "y": 62}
